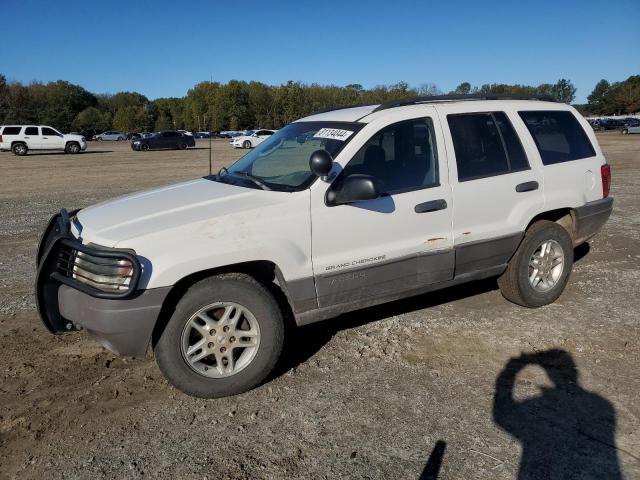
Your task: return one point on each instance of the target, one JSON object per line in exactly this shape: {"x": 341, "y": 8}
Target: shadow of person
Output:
{"x": 566, "y": 432}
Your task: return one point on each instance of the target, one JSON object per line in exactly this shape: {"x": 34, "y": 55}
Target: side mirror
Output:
{"x": 320, "y": 163}
{"x": 354, "y": 188}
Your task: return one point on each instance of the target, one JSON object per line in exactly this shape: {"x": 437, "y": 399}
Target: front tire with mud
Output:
{"x": 539, "y": 270}
{"x": 223, "y": 338}
{"x": 72, "y": 148}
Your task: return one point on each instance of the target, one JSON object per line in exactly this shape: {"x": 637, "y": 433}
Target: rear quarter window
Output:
{"x": 11, "y": 130}
{"x": 558, "y": 136}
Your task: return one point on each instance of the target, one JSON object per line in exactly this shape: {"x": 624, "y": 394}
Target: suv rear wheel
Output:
{"x": 224, "y": 337}
{"x": 19, "y": 149}
{"x": 540, "y": 268}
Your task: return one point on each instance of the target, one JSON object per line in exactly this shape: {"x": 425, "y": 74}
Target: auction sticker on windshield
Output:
{"x": 333, "y": 134}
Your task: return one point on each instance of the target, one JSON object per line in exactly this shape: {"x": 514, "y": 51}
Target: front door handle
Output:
{"x": 431, "y": 206}
{"x": 527, "y": 186}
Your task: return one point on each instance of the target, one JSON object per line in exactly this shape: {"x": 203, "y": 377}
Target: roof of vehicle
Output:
{"x": 359, "y": 113}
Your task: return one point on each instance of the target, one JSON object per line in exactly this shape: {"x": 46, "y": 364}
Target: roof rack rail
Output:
{"x": 474, "y": 96}
{"x": 338, "y": 107}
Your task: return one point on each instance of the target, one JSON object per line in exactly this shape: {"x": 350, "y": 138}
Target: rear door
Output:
{"x": 400, "y": 241}
{"x": 33, "y": 137}
{"x": 496, "y": 187}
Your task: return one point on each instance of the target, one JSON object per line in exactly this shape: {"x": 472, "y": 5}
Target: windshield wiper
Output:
{"x": 255, "y": 180}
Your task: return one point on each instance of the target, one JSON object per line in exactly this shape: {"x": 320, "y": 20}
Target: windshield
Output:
{"x": 281, "y": 161}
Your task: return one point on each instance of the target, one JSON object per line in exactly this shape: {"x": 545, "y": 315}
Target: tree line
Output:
{"x": 239, "y": 105}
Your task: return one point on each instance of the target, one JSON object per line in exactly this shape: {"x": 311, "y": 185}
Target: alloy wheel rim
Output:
{"x": 546, "y": 266}
{"x": 220, "y": 339}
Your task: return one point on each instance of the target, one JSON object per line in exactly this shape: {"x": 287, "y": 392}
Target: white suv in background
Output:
{"x": 252, "y": 139}
{"x": 337, "y": 211}
{"x": 22, "y": 138}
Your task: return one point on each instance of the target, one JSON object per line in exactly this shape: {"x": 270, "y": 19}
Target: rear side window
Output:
{"x": 31, "y": 131}
{"x": 485, "y": 145}
{"x": 558, "y": 136}
{"x": 11, "y": 130}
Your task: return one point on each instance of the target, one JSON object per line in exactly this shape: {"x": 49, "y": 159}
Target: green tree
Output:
{"x": 60, "y": 102}
{"x": 163, "y": 122}
{"x": 563, "y": 91}
{"x": 463, "y": 89}
{"x": 599, "y": 93}
{"x": 91, "y": 117}
{"x": 132, "y": 119}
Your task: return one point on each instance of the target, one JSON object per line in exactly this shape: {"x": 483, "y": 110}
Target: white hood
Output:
{"x": 165, "y": 208}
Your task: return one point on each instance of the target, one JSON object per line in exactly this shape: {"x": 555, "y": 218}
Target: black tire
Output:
{"x": 246, "y": 144}
{"x": 72, "y": 148}
{"x": 144, "y": 147}
{"x": 19, "y": 149}
{"x": 182, "y": 146}
{"x": 625, "y": 131}
{"x": 514, "y": 282}
{"x": 120, "y": 139}
{"x": 238, "y": 288}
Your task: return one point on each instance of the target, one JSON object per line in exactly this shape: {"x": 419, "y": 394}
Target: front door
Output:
{"x": 400, "y": 241}
{"x": 50, "y": 139}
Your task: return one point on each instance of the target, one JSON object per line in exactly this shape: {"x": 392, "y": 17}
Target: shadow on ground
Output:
{"x": 566, "y": 432}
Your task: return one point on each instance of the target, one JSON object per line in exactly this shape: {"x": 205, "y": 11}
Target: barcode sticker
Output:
{"x": 333, "y": 134}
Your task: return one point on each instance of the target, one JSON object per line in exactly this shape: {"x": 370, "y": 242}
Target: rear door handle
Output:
{"x": 527, "y": 186}
{"x": 431, "y": 206}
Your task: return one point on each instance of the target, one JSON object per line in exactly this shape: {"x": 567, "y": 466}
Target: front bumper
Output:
{"x": 123, "y": 326}
{"x": 122, "y": 321}
{"x": 591, "y": 217}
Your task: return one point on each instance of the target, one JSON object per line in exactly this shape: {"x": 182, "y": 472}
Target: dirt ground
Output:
{"x": 398, "y": 391}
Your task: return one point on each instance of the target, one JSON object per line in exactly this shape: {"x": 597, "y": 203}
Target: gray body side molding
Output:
{"x": 361, "y": 287}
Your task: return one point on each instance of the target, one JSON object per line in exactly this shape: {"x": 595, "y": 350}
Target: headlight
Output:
{"x": 136, "y": 143}
{"x": 106, "y": 274}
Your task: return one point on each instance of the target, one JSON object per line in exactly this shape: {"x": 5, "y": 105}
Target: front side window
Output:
{"x": 281, "y": 161}
{"x": 558, "y": 136}
{"x": 49, "y": 131}
{"x": 485, "y": 145}
{"x": 401, "y": 157}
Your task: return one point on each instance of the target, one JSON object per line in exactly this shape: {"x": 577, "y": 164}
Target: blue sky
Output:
{"x": 162, "y": 48}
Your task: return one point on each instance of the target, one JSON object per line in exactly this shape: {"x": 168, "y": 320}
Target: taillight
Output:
{"x": 605, "y": 173}
{"x": 0, "y": 138}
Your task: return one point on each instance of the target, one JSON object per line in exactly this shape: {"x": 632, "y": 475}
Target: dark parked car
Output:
{"x": 608, "y": 124}
{"x": 168, "y": 139}
{"x": 89, "y": 133}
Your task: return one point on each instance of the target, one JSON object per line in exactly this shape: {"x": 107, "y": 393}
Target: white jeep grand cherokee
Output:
{"x": 335, "y": 212}
{"x": 22, "y": 138}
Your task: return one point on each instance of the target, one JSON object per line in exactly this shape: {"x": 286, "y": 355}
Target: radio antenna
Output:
{"x": 210, "y": 151}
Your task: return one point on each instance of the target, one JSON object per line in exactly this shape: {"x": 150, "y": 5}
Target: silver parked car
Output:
{"x": 630, "y": 128}
{"x": 110, "y": 135}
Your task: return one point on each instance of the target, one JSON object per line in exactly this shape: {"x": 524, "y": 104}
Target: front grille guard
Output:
{"x": 49, "y": 276}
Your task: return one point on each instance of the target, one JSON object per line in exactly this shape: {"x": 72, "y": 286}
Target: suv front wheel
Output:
{"x": 72, "y": 148}
{"x": 540, "y": 268}
{"x": 224, "y": 337}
